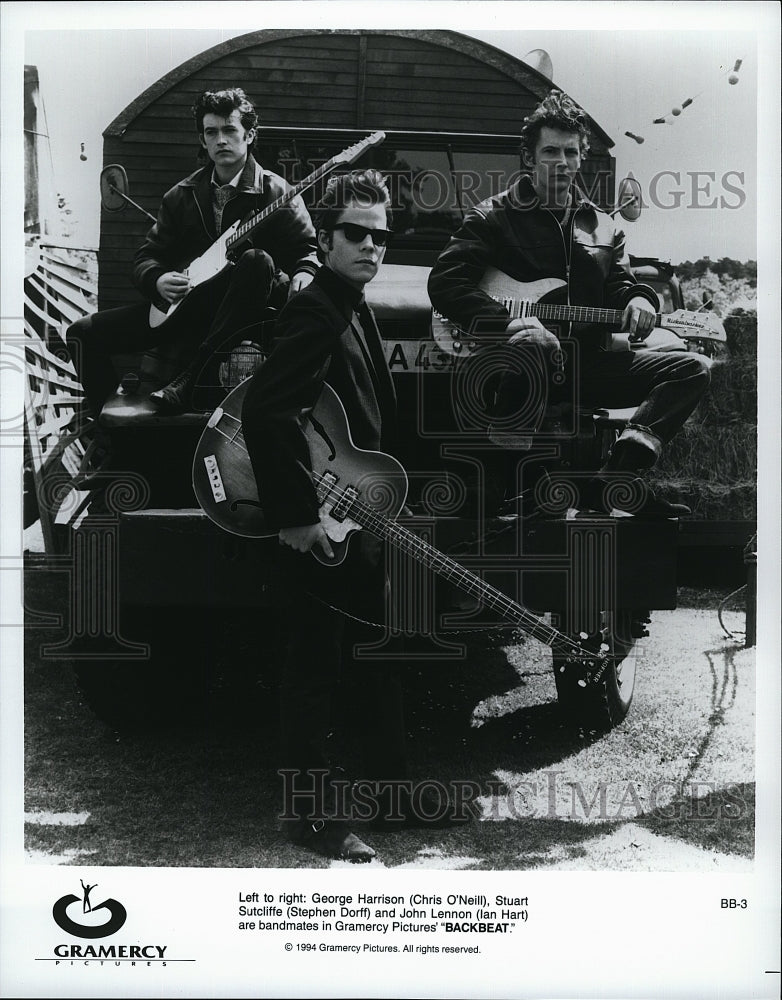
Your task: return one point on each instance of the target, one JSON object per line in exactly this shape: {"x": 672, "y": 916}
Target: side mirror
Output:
{"x": 114, "y": 190}
{"x": 628, "y": 199}
{"x": 113, "y": 187}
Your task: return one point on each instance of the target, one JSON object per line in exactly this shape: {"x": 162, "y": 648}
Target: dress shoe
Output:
{"x": 629, "y": 496}
{"x": 331, "y": 838}
{"x": 176, "y": 396}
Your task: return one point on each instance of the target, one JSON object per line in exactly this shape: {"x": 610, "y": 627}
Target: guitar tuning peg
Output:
{"x": 604, "y": 647}
{"x": 582, "y": 683}
{"x": 583, "y": 635}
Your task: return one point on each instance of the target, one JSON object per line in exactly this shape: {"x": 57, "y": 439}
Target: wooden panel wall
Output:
{"x": 362, "y": 80}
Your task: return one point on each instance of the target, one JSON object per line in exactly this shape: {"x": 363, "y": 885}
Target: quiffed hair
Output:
{"x": 555, "y": 111}
{"x": 223, "y": 103}
{"x": 362, "y": 187}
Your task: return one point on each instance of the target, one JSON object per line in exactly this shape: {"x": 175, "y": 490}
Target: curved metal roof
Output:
{"x": 512, "y": 67}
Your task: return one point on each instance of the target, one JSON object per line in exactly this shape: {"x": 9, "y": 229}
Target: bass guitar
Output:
{"x": 541, "y": 299}
{"x": 220, "y": 253}
{"x": 356, "y": 490}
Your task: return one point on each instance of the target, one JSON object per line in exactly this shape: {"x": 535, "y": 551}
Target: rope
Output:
{"x": 721, "y": 608}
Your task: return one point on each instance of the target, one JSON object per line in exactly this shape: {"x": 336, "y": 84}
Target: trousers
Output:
{"x": 225, "y": 306}
{"x": 521, "y": 380}
{"x": 320, "y": 657}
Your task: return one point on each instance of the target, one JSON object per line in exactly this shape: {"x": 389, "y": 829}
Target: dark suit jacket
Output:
{"x": 325, "y": 333}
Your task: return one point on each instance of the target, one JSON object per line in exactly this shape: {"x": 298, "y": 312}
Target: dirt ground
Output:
{"x": 670, "y": 789}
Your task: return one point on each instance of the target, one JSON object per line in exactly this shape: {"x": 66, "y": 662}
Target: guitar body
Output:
{"x": 215, "y": 259}
{"x": 226, "y": 489}
{"x": 501, "y": 286}
{"x": 209, "y": 265}
{"x": 451, "y": 339}
{"x": 532, "y": 299}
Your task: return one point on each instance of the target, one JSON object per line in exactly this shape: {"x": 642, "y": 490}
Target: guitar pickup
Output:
{"x": 327, "y": 483}
{"x": 341, "y": 508}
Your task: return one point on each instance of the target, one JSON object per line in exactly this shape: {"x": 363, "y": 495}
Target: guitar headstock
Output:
{"x": 686, "y": 323}
{"x": 590, "y": 657}
{"x": 353, "y": 152}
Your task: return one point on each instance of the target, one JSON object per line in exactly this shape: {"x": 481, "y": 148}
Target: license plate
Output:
{"x": 416, "y": 356}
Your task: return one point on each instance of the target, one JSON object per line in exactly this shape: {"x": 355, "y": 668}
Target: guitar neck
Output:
{"x": 567, "y": 314}
{"x": 416, "y": 548}
{"x": 255, "y": 220}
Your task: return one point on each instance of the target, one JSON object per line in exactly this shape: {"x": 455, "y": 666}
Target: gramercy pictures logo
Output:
{"x": 64, "y": 913}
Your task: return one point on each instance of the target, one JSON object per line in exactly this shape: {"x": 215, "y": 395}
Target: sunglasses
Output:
{"x": 357, "y": 234}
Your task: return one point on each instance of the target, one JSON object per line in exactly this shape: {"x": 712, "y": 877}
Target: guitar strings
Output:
{"x": 432, "y": 557}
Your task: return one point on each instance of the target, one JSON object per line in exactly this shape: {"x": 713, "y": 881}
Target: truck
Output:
{"x": 164, "y": 605}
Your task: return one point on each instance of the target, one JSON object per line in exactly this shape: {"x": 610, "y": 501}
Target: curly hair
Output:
{"x": 359, "y": 187}
{"x": 559, "y": 111}
{"x": 223, "y": 103}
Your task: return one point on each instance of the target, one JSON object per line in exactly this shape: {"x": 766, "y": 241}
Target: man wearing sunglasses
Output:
{"x": 327, "y": 333}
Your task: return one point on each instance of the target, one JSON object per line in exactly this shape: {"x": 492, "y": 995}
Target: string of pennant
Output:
{"x": 733, "y": 79}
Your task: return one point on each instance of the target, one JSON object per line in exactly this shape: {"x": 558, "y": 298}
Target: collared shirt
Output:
{"x": 222, "y": 194}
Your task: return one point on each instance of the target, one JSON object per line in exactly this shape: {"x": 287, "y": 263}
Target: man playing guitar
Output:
{"x": 544, "y": 228}
{"x": 191, "y": 217}
{"x": 327, "y": 333}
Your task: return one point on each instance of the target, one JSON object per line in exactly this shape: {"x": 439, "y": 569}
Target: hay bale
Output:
{"x": 741, "y": 329}
{"x": 711, "y": 464}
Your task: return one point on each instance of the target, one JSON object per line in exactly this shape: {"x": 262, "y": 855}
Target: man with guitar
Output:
{"x": 191, "y": 218}
{"x": 544, "y": 232}
{"x": 327, "y": 333}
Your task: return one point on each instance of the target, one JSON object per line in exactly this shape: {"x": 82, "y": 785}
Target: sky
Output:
{"x": 625, "y": 64}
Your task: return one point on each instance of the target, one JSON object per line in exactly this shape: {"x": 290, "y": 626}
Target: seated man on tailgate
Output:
{"x": 544, "y": 227}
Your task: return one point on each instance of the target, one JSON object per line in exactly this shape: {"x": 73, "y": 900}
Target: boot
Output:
{"x": 176, "y": 396}
{"x": 632, "y": 496}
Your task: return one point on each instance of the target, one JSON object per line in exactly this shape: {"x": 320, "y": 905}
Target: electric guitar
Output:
{"x": 219, "y": 254}
{"x": 540, "y": 299}
{"x": 356, "y": 490}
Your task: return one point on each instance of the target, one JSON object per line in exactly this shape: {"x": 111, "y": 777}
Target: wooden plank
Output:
{"x": 48, "y": 319}
{"x": 59, "y": 272}
{"x": 63, "y": 306}
{"x": 256, "y": 66}
{"x": 422, "y": 69}
{"x": 496, "y": 116}
{"x": 443, "y": 86}
{"x": 290, "y": 95}
{"x": 69, "y": 294}
{"x": 80, "y": 268}
{"x": 308, "y": 42}
{"x": 63, "y": 380}
{"x": 180, "y": 101}
{"x": 51, "y": 379}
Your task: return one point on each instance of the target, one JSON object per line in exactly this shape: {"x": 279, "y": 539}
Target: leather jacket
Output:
{"x": 185, "y": 226}
{"x": 514, "y": 233}
{"x": 325, "y": 333}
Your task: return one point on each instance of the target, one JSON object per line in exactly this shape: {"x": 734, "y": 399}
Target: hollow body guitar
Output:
{"x": 546, "y": 300}
{"x": 219, "y": 255}
{"x": 356, "y": 489}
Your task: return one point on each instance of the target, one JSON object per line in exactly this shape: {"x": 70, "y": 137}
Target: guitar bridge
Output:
{"x": 341, "y": 508}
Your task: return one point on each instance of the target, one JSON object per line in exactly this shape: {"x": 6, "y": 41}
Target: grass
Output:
{"x": 207, "y": 796}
